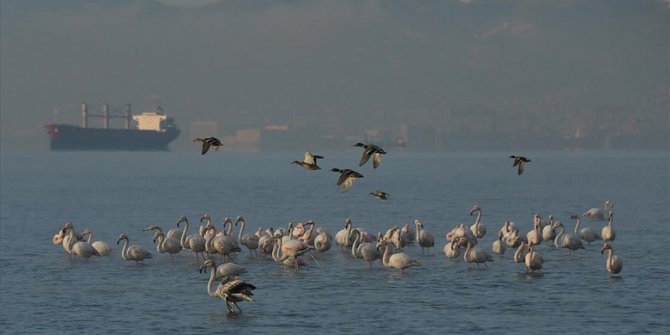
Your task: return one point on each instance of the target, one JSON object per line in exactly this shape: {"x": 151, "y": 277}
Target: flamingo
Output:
{"x": 249, "y": 241}
{"x": 343, "y": 236}
{"x": 169, "y": 245}
{"x": 102, "y": 247}
{"x": 289, "y": 248}
{"x": 322, "y": 241}
{"x": 498, "y": 246}
{"x": 535, "y": 235}
{"x": 614, "y": 263}
{"x": 368, "y": 251}
{"x": 598, "y": 214}
{"x": 476, "y": 254}
{"x": 478, "y": 229}
{"x": 266, "y": 241}
{"x": 607, "y": 233}
{"x": 586, "y": 234}
{"x": 134, "y": 252}
{"x": 194, "y": 242}
{"x": 425, "y": 239}
{"x": 371, "y": 150}
{"x": 521, "y": 250}
{"x": 568, "y": 241}
{"x": 223, "y": 244}
{"x": 230, "y": 270}
{"x": 77, "y": 248}
{"x": 400, "y": 261}
{"x": 452, "y": 250}
{"x": 533, "y": 260}
{"x": 548, "y": 232}
{"x": 231, "y": 291}
{"x": 172, "y": 233}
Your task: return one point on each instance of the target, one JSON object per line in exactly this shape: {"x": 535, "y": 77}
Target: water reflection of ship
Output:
{"x": 151, "y": 131}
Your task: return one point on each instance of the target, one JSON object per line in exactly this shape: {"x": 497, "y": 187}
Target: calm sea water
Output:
{"x": 44, "y": 291}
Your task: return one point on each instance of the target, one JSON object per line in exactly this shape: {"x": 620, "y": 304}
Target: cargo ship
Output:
{"x": 149, "y": 131}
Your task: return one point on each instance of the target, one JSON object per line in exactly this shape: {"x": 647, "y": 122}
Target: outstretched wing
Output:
{"x": 376, "y": 160}
{"x": 205, "y": 147}
{"x": 364, "y": 158}
{"x": 522, "y": 167}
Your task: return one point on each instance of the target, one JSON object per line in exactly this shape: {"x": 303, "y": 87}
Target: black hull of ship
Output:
{"x": 73, "y": 138}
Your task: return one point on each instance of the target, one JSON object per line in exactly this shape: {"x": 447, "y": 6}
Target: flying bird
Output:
{"x": 381, "y": 195}
{"x": 309, "y": 162}
{"x": 521, "y": 162}
{"x": 209, "y": 142}
{"x": 371, "y": 150}
{"x": 347, "y": 178}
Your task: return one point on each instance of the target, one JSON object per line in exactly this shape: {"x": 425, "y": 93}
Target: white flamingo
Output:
{"x": 77, "y": 248}
{"x": 166, "y": 245}
{"x": 521, "y": 251}
{"x": 425, "y": 239}
{"x": 452, "y": 250}
{"x": 400, "y": 261}
{"x": 478, "y": 229}
{"x": 367, "y": 251}
{"x": 607, "y": 233}
{"x": 548, "y": 232}
{"x": 476, "y": 254}
{"x": 224, "y": 243}
{"x": 533, "y": 260}
{"x": 231, "y": 291}
{"x": 102, "y": 247}
{"x": 598, "y": 214}
{"x": 535, "y": 235}
{"x": 322, "y": 241}
{"x": 614, "y": 263}
{"x": 230, "y": 270}
{"x": 343, "y": 236}
{"x": 568, "y": 241}
{"x": 498, "y": 246}
{"x": 134, "y": 252}
{"x": 586, "y": 234}
{"x": 249, "y": 240}
{"x": 194, "y": 242}
{"x": 290, "y": 248}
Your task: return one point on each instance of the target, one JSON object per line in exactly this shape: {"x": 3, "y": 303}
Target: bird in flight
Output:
{"x": 521, "y": 162}
{"x": 209, "y": 142}
{"x": 371, "y": 150}
{"x": 309, "y": 162}
{"x": 381, "y": 195}
{"x": 347, "y": 178}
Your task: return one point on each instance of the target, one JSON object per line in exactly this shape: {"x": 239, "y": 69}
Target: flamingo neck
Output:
{"x": 124, "y": 251}
{"x": 239, "y": 235}
{"x": 212, "y": 276}
{"x": 578, "y": 222}
{"x": 160, "y": 247}
{"x": 354, "y": 246}
{"x": 610, "y": 258}
{"x": 387, "y": 255}
{"x": 559, "y": 237}
{"x": 182, "y": 240}
{"x": 479, "y": 218}
{"x": 468, "y": 250}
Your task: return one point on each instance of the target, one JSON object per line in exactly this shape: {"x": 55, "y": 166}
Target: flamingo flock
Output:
{"x": 292, "y": 245}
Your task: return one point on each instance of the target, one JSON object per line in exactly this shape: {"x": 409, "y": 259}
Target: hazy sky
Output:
{"x": 246, "y": 63}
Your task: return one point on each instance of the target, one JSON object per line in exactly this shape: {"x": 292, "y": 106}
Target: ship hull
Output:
{"x": 73, "y": 138}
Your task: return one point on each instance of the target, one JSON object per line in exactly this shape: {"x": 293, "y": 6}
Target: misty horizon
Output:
{"x": 508, "y": 67}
